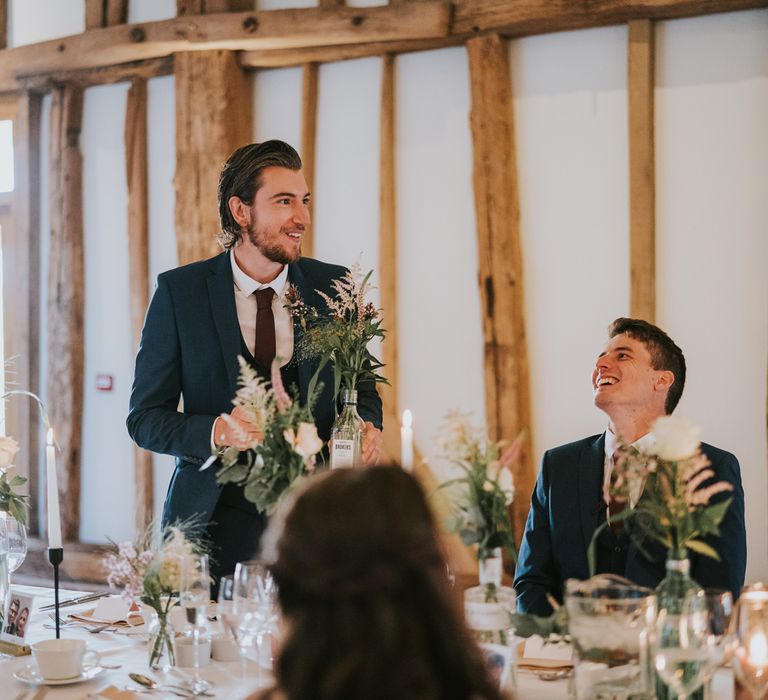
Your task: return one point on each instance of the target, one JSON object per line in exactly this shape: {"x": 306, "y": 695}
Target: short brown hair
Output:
{"x": 664, "y": 352}
{"x": 241, "y": 177}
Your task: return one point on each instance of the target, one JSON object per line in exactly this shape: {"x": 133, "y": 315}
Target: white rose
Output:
{"x": 307, "y": 442}
{"x": 674, "y": 438}
{"x": 8, "y": 449}
{"x": 507, "y": 485}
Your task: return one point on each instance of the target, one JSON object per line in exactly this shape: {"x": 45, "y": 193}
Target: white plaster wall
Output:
{"x": 107, "y": 473}
{"x": 150, "y": 10}
{"x": 571, "y": 125}
{"x": 277, "y": 105}
{"x": 712, "y": 235}
{"x": 30, "y": 21}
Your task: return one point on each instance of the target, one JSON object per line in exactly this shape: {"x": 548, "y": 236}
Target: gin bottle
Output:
{"x": 347, "y": 434}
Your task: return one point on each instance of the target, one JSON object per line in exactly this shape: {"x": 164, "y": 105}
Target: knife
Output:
{"x": 75, "y": 601}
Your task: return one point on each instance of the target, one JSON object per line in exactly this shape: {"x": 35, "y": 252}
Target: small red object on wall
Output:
{"x": 104, "y": 382}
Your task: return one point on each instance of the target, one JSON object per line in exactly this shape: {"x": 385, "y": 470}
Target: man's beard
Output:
{"x": 271, "y": 251}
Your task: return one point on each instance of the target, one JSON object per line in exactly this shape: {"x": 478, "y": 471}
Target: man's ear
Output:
{"x": 240, "y": 211}
{"x": 664, "y": 380}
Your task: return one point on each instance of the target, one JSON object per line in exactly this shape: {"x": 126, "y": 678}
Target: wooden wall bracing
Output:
{"x": 105, "y": 13}
{"x": 138, "y": 263}
{"x": 642, "y": 176}
{"x": 207, "y": 7}
{"x": 309, "y": 81}
{"x": 21, "y": 293}
{"x": 213, "y": 118}
{"x": 499, "y": 253}
{"x": 66, "y": 299}
{"x": 3, "y": 23}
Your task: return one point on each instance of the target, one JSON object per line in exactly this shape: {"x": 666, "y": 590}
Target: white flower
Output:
{"x": 674, "y": 438}
{"x": 305, "y": 442}
{"x": 507, "y": 485}
{"x": 8, "y": 449}
{"x": 488, "y": 486}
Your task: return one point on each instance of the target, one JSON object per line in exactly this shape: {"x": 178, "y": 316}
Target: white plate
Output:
{"x": 32, "y": 677}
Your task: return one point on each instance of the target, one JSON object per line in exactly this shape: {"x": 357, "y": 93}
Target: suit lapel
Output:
{"x": 591, "y": 464}
{"x": 222, "y": 297}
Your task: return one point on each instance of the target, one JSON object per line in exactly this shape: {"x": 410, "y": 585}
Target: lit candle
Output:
{"x": 406, "y": 441}
{"x": 758, "y": 649}
{"x": 54, "y": 519}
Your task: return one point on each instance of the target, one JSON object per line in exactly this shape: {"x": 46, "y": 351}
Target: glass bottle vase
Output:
{"x": 347, "y": 434}
{"x": 671, "y": 593}
{"x": 161, "y": 643}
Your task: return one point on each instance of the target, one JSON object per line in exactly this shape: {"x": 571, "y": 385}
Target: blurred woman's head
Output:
{"x": 363, "y": 589}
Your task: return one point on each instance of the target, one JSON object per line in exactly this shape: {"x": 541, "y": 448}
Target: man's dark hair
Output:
{"x": 241, "y": 177}
{"x": 665, "y": 354}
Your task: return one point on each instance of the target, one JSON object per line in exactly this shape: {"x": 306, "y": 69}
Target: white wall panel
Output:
{"x": 277, "y": 105}
{"x": 30, "y": 21}
{"x": 571, "y": 120}
{"x": 150, "y": 10}
{"x": 107, "y": 473}
{"x": 712, "y": 236}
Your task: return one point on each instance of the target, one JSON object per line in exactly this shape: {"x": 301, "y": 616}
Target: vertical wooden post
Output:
{"x": 105, "y": 13}
{"x": 213, "y": 118}
{"x": 21, "y": 298}
{"x": 642, "y": 193}
{"x": 500, "y": 258}
{"x": 66, "y": 297}
{"x": 138, "y": 262}
{"x": 3, "y": 23}
{"x": 308, "y": 141}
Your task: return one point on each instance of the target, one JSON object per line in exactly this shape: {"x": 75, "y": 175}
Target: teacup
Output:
{"x": 58, "y": 659}
{"x": 224, "y": 648}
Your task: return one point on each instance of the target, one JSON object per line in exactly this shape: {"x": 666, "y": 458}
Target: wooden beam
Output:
{"x": 138, "y": 263}
{"x": 21, "y": 298}
{"x": 308, "y": 142}
{"x": 105, "y": 75}
{"x": 236, "y": 30}
{"x": 500, "y": 258}
{"x": 189, "y": 7}
{"x": 213, "y": 118}
{"x": 207, "y": 7}
{"x": 642, "y": 190}
{"x": 66, "y": 297}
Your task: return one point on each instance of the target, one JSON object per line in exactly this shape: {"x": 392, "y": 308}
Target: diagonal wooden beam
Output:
{"x": 66, "y": 299}
{"x": 500, "y": 257}
{"x": 642, "y": 190}
{"x": 308, "y": 142}
{"x": 138, "y": 262}
{"x": 213, "y": 118}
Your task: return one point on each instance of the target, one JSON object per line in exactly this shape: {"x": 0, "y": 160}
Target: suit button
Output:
{"x": 617, "y": 549}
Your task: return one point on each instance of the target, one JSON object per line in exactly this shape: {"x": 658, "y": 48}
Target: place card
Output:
{"x": 537, "y": 651}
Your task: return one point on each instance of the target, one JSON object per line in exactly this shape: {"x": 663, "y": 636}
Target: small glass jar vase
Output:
{"x": 161, "y": 642}
{"x": 347, "y": 434}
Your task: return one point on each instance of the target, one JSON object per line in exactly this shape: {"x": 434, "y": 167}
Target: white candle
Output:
{"x": 406, "y": 441}
{"x": 54, "y": 519}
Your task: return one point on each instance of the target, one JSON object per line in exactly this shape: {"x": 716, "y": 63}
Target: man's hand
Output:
{"x": 372, "y": 442}
{"x": 235, "y": 430}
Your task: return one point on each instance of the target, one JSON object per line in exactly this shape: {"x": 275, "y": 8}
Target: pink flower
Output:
{"x": 282, "y": 399}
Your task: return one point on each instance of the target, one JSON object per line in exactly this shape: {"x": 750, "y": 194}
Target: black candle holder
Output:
{"x": 56, "y": 556}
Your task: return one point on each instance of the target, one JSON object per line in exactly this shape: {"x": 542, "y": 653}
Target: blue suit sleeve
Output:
{"x": 154, "y": 420}
{"x": 536, "y": 574}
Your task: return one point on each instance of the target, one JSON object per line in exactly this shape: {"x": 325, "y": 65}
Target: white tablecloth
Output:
{"x": 130, "y": 652}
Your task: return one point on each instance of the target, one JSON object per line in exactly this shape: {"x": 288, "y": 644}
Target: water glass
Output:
{"x": 750, "y": 639}
{"x": 17, "y": 543}
{"x": 194, "y": 596}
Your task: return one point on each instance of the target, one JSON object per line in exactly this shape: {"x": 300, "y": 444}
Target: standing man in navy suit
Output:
{"x": 203, "y": 315}
{"x": 638, "y": 377}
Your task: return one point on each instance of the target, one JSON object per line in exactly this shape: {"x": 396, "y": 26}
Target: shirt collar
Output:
{"x": 611, "y": 442}
{"x": 247, "y": 285}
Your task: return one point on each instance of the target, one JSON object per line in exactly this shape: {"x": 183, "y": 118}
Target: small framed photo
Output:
{"x": 499, "y": 661}
{"x": 16, "y": 617}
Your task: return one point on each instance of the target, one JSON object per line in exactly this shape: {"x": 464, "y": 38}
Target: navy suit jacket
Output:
{"x": 567, "y": 506}
{"x": 188, "y": 350}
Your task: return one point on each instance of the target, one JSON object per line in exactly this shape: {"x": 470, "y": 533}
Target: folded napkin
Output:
{"x": 536, "y": 654}
{"x": 113, "y": 610}
{"x": 113, "y": 693}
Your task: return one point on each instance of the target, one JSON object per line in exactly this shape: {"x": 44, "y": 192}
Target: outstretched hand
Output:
{"x": 372, "y": 444}
{"x": 235, "y": 430}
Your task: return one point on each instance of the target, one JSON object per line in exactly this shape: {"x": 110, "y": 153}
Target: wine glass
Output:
{"x": 719, "y": 609}
{"x": 254, "y": 599}
{"x": 750, "y": 630}
{"x": 17, "y": 543}
{"x": 681, "y": 645}
{"x": 194, "y": 596}
{"x": 229, "y": 617}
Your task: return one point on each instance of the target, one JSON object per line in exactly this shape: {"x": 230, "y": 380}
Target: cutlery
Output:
{"x": 179, "y": 690}
{"x": 76, "y": 601}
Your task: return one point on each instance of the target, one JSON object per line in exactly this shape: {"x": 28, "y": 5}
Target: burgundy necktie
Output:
{"x": 264, "y": 352}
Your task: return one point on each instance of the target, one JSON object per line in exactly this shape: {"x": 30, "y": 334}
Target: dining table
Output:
{"x": 123, "y": 650}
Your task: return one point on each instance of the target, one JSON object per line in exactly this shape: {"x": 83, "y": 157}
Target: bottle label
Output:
{"x": 342, "y": 454}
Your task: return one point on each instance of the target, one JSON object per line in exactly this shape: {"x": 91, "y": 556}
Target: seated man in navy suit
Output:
{"x": 203, "y": 315}
{"x": 638, "y": 378}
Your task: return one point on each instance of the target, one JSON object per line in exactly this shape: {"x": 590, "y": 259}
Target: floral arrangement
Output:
{"x": 148, "y": 570}
{"x": 11, "y": 501}
{"x": 342, "y": 333}
{"x": 668, "y": 485}
{"x": 268, "y": 468}
{"x": 481, "y": 497}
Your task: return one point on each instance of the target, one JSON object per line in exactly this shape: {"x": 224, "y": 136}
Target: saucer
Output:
{"x": 30, "y": 676}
